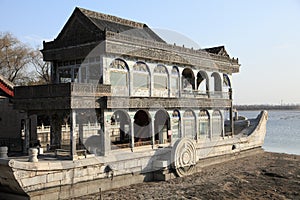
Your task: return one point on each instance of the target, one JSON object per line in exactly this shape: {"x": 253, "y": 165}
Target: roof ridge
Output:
{"x": 221, "y": 46}
{"x": 111, "y": 18}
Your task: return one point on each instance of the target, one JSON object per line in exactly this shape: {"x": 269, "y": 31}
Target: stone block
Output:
{"x": 79, "y": 190}
{"x": 130, "y": 164}
{"x": 83, "y": 178}
{"x": 43, "y": 166}
{"x": 158, "y": 164}
{"x": 52, "y": 184}
{"x": 91, "y": 170}
{"x": 54, "y": 177}
{"x": 80, "y": 172}
{"x": 34, "y": 180}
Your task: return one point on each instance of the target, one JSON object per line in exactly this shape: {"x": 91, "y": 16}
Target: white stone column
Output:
{"x": 210, "y": 123}
{"x": 151, "y": 81}
{"x": 132, "y": 134}
{"x": 195, "y": 79}
{"x": 152, "y": 114}
{"x": 131, "y": 89}
{"x": 73, "y": 152}
{"x": 169, "y": 75}
{"x": 180, "y": 131}
{"x": 197, "y": 126}
{"x": 223, "y": 124}
{"x": 180, "y": 82}
{"x": 105, "y": 141}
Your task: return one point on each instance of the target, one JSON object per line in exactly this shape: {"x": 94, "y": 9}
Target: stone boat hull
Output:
{"x": 63, "y": 179}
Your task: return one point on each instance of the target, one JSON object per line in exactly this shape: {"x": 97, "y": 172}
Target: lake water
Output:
{"x": 283, "y": 130}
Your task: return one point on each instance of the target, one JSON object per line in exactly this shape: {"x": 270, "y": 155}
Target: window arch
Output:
{"x": 202, "y": 82}
{"x": 141, "y": 79}
{"x": 120, "y": 129}
{"x": 217, "y": 82}
{"x": 176, "y": 131}
{"x": 204, "y": 124}
{"x": 189, "y": 124}
{"x": 119, "y": 77}
{"x": 162, "y": 126}
{"x": 226, "y": 83}
{"x": 161, "y": 79}
{"x": 188, "y": 80}
{"x": 142, "y": 128}
{"x": 174, "y": 83}
{"x": 217, "y": 124}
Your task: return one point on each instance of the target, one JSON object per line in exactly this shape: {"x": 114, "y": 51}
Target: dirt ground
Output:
{"x": 262, "y": 176}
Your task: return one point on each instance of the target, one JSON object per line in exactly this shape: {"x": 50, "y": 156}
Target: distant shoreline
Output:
{"x": 267, "y": 107}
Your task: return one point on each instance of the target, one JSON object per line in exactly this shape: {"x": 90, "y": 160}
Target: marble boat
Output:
{"x": 124, "y": 107}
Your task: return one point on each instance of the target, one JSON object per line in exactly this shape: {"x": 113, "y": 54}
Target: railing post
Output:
{"x": 33, "y": 152}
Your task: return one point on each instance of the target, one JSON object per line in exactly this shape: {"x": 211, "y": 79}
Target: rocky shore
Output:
{"x": 262, "y": 176}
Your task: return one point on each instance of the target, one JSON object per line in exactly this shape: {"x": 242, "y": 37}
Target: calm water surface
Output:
{"x": 283, "y": 130}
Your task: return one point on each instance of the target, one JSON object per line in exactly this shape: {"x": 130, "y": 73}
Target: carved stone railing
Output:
{"x": 62, "y": 90}
{"x": 203, "y": 94}
{"x": 150, "y": 102}
{"x": 43, "y": 91}
{"x": 86, "y": 89}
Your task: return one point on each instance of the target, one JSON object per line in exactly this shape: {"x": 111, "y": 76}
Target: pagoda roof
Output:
{"x": 119, "y": 25}
{"x": 87, "y": 29}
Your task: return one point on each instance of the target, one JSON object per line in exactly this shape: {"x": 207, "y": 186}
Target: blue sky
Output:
{"x": 263, "y": 34}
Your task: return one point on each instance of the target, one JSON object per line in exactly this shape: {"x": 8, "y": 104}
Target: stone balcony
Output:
{"x": 58, "y": 96}
{"x": 89, "y": 96}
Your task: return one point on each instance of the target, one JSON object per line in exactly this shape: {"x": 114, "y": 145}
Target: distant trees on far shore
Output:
{"x": 268, "y": 107}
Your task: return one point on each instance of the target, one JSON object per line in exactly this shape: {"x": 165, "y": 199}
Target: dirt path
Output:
{"x": 262, "y": 176}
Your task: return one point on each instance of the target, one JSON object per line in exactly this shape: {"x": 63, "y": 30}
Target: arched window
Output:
{"x": 120, "y": 130}
{"x": 216, "y": 124}
{"x": 188, "y": 80}
{"x": 176, "y": 133}
{"x": 217, "y": 82}
{"x": 160, "y": 77}
{"x": 203, "y": 124}
{"x": 174, "y": 82}
{"x": 226, "y": 83}
{"x": 161, "y": 127}
{"x": 142, "y": 128}
{"x": 202, "y": 82}
{"x": 141, "y": 79}
{"x": 119, "y": 78}
{"x": 189, "y": 124}
{"x": 217, "y": 85}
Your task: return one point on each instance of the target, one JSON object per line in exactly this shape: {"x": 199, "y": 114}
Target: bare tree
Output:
{"x": 42, "y": 69}
{"x": 15, "y": 57}
{"x": 21, "y": 64}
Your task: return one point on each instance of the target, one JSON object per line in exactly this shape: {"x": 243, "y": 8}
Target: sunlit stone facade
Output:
{"x": 141, "y": 91}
